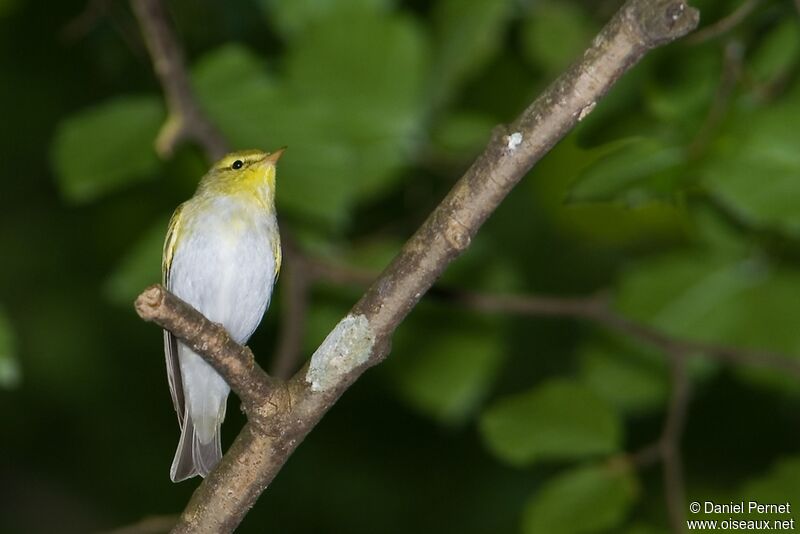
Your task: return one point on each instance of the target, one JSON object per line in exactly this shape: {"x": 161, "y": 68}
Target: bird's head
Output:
{"x": 244, "y": 171}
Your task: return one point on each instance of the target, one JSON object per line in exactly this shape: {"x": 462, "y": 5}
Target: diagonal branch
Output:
{"x": 185, "y": 119}
{"x": 363, "y": 337}
{"x": 639, "y": 26}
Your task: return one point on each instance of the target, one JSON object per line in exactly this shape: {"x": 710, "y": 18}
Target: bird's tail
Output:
{"x": 194, "y": 455}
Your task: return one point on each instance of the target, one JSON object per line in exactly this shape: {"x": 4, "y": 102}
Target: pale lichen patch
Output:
{"x": 348, "y": 346}
{"x": 513, "y": 141}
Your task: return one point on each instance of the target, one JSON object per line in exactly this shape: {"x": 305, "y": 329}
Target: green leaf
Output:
{"x": 107, "y": 147}
{"x": 359, "y": 77}
{"x": 556, "y": 33}
{"x": 233, "y": 86}
{"x": 754, "y": 167}
{"x": 446, "y": 372}
{"x": 681, "y": 94}
{"x": 368, "y": 66}
{"x": 239, "y": 95}
{"x": 779, "y": 485}
{"x": 349, "y": 107}
{"x": 607, "y": 224}
{"x": 633, "y": 381}
{"x": 687, "y": 295}
{"x": 467, "y": 35}
{"x": 139, "y": 268}
{"x": 292, "y": 18}
{"x": 582, "y": 500}
{"x": 777, "y": 53}
{"x": 631, "y": 166}
{"x": 10, "y": 375}
{"x": 557, "y": 420}
{"x": 713, "y": 299}
{"x": 775, "y": 297}
{"x": 713, "y": 229}
{"x": 765, "y": 202}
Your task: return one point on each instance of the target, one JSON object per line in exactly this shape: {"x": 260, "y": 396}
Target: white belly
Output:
{"x": 225, "y": 266}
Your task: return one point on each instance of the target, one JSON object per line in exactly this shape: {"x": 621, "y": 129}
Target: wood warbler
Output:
{"x": 222, "y": 255}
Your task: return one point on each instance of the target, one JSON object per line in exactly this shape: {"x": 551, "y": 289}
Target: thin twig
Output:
{"x": 598, "y": 310}
{"x": 185, "y": 119}
{"x": 594, "y": 308}
{"x": 674, "y": 488}
{"x": 646, "y": 456}
{"x": 732, "y": 57}
{"x": 83, "y": 22}
{"x": 94, "y": 13}
{"x": 666, "y": 450}
{"x": 725, "y": 24}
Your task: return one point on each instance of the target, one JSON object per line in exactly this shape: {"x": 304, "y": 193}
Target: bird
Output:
{"x": 222, "y": 255}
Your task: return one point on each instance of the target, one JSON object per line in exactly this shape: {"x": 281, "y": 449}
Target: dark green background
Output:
{"x": 679, "y": 195}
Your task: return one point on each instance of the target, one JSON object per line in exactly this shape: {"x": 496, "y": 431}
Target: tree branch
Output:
{"x": 185, "y": 119}
{"x": 598, "y": 310}
{"x": 595, "y": 308}
{"x": 363, "y": 337}
{"x": 670, "y": 443}
{"x": 639, "y": 26}
{"x": 233, "y": 361}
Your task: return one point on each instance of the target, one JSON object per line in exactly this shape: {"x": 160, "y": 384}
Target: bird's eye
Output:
{"x": 238, "y": 164}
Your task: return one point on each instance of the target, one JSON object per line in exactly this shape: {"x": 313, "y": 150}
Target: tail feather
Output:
{"x": 193, "y": 457}
{"x": 206, "y": 455}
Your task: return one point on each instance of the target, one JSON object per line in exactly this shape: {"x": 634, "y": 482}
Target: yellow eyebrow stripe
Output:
{"x": 247, "y": 156}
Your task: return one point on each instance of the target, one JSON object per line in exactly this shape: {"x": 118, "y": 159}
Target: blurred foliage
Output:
{"x": 448, "y": 374}
{"x": 9, "y": 367}
{"x": 630, "y": 378}
{"x": 586, "y": 499}
{"x": 94, "y": 156}
{"x": 675, "y": 196}
{"x": 555, "y": 420}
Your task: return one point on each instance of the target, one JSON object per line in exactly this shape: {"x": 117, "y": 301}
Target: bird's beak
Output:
{"x": 274, "y": 156}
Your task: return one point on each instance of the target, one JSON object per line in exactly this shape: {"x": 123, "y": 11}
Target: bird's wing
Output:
{"x": 278, "y": 254}
{"x": 169, "y": 243}
{"x": 170, "y": 342}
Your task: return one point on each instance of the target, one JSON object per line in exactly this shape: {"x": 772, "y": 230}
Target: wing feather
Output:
{"x": 170, "y": 342}
{"x": 278, "y": 254}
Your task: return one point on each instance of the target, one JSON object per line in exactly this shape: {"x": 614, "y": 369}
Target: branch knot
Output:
{"x": 660, "y": 21}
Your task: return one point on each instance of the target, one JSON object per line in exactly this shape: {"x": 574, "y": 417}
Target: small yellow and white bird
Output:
{"x": 222, "y": 255}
